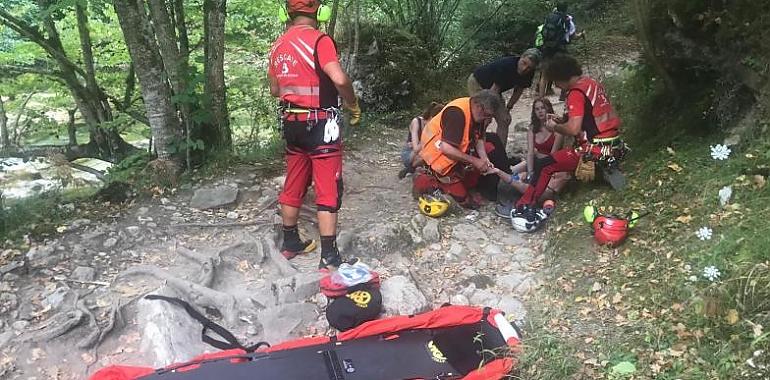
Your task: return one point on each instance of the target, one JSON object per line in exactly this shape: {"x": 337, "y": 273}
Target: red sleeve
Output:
{"x": 327, "y": 52}
{"x": 576, "y": 103}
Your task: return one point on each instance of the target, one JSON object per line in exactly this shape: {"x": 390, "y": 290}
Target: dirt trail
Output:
{"x": 72, "y": 305}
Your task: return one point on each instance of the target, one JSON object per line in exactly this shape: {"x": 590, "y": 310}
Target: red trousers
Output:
{"x": 566, "y": 161}
{"x": 457, "y": 185}
{"x": 460, "y": 180}
{"x": 323, "y": 166}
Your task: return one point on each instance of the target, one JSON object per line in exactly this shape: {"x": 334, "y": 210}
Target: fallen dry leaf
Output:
{"x": 732, "y": 317}
{"x": 596, "y": 287}
{"x": 676, "y": 168}
{"x": 759, "y": 182}
{"x": 670, "y": 151}
{"x": 684, "y": 219}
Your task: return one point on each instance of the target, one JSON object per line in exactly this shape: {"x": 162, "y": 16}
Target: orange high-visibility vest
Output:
{"x": 431, "y": 138}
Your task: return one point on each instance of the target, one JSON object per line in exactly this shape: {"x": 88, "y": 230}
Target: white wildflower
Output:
{"x": 687, "y": 268}
{"x": 704, "y": 233}
{"x": 711, "y": 273}
{"x": 720, "y": 152}
{"x": 693, "y": 278}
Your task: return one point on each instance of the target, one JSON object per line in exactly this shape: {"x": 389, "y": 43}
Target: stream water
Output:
{"x": 20, "y": 179}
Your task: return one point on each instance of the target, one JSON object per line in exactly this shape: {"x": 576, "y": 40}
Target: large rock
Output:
{"x": 402, "y": 297}
{"x": 455, "y": 252}
{"x": 483, "y": 297}
{"x": 299, "y": 287}
{"x": 283, "y": 322}
{"x": 467, "y": 233}
{"x": 383, "y": 239}
{"x": 510, "y": 282}
{"x": 41, "y": 256}
{"x": 10, "y": 267}
{"x": 8, "y": 303}
{"x": 430, "y": 232}
{"x": 169, "y": 334}
{"x": 60, "y": 297}
{"x": 512, "y": 308}
{"x": 83, "y": 274}
{"x": 208, "y": 198}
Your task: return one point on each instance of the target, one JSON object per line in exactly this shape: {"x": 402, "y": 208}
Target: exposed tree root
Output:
{"x": 208, "y": 264}
{"x": 58, "y": 325}
{"x": 90, "y": 339}
{"x": 267, "y": 248}
{"x": 196, "y": 294}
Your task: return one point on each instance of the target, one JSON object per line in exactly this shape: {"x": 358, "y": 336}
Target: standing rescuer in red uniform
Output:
{"x": 306, "y": 75}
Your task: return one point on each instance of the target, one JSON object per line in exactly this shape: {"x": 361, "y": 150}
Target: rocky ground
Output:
{"x": 75, "y": 303}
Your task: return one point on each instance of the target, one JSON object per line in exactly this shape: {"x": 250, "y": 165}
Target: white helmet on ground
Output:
{"x": 522, "y": 224}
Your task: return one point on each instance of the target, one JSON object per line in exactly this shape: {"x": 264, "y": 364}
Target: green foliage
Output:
{"x": 39, "y": 216}
{"x": 507, "y": 29}
{"x": 393, "y": 67}
{"x": 129, "y": 170}
{"x": 674, "y": 322}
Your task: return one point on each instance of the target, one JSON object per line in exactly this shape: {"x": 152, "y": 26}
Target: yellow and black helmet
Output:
{"x": 434, "y": 205}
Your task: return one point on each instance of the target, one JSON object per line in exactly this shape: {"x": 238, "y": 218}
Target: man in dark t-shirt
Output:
{"x": 507, "y": 73}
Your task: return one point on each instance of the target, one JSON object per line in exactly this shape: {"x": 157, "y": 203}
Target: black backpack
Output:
{"x": 554, "y": 30}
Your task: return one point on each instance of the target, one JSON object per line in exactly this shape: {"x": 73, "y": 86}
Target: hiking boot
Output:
{"x": 334, "y": 261}
{"x": 402, "y": 174}
{"x": 503, "y": 210}
{"x": 301, "y": 248}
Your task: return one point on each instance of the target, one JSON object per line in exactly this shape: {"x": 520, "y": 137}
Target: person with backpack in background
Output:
{"x": 552, "y": 37}
{"x": 306, "y": 75}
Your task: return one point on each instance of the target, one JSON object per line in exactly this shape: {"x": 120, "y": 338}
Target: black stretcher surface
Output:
{"x": 402, "y": 355}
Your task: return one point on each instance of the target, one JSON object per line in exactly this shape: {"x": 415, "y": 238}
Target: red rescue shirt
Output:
{"x": 588, "y": 99}
{"x": 297, "y": 59}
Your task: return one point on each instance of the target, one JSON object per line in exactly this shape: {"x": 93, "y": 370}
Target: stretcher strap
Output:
{"x": 230, "y": 342}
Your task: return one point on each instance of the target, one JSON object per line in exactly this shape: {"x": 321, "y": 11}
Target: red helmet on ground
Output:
{"x": 304, "y": 6}
{"x": 610, "y": 230}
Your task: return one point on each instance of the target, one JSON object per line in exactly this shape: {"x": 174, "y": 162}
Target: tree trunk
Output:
{"x": 218, "y": 135}
{"x": 169, "y": 51}
{"x": 128, "y": 93}
{"x": 333, "y": 20}
{"x": 181, "y": 29}
{"x": 641, "y": 10}
{"x": 156, "y": 92}
{"x": 85, "y": 46}
{"x": 90, "y": 99}
{"x": 71, "y": 131}
{"x": 17, "y": 130}
{"x": 5, "y": 142}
